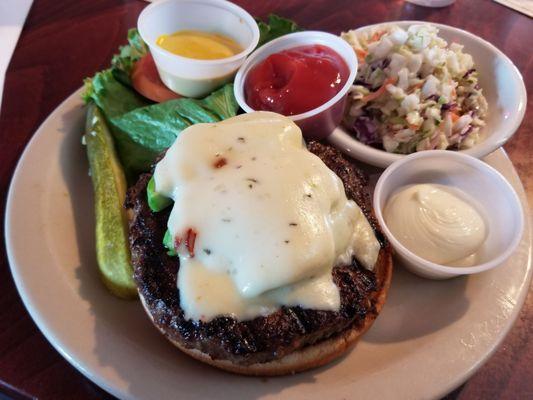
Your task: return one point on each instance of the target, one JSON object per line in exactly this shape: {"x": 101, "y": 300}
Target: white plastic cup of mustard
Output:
{"x": 192, "y": 77}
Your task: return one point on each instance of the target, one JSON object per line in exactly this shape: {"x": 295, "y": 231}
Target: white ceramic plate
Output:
{"x": 502, "y": 85}
{"x": 430, "y": 337}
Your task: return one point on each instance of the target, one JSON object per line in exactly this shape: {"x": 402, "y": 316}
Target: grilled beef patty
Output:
{"x": 262, "y": 339}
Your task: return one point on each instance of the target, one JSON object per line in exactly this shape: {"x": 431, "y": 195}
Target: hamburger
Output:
{"x": 266, "y": 258}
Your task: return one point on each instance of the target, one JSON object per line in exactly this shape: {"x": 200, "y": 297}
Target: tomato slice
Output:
{"x": 147, "y": 82}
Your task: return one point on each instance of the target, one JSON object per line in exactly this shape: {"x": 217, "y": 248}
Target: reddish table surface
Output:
{"x": 64, "y": 41}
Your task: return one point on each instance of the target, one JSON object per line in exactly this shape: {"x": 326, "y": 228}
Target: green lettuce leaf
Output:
{"x": 122, "y": 63}
{"x": 115, "y": 99}
{"x": 142, "y": 130}
{"x": 276, "y": 27}
{"x": 222, "y": 102}
{"x": 143, "y": 133}
{"x": 155, "y": 127}
{"x": 110, "y": 95}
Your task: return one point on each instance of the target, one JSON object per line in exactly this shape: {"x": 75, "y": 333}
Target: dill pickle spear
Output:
{"x": 109, "y": 183}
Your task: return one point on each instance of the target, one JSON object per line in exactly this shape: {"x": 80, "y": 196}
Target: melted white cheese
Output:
{"x": 436, "y": 224}
{"x": 271, "y": 220}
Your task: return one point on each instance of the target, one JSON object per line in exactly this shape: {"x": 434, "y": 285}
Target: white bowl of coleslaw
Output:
{"x": 396, "y": 110}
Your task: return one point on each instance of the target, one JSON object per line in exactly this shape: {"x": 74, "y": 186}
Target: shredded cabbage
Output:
{"x": 413, "y": 91}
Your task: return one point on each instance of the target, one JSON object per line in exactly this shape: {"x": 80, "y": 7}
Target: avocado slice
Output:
{"x": 156, "y": 201}
{"x": 168, "y": 242}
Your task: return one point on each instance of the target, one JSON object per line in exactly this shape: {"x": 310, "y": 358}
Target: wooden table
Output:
{"x": 65, "y": 41}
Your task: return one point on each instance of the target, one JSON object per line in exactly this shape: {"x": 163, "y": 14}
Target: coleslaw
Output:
{"x": 413, "y": 91}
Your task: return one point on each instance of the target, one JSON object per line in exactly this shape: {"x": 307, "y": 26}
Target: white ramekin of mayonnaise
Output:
{"x": 448, "y": 214}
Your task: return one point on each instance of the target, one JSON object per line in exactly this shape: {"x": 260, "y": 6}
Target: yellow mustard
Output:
{"x": 199, "y": 45}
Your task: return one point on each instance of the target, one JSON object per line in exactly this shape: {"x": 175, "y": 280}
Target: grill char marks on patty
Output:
{"x": 262, "y": 339}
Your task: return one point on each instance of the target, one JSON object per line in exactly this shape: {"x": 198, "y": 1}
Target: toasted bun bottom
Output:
{"x": 312, "y": 356}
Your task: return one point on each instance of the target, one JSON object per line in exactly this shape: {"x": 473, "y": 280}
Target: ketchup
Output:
{"x": 296, "y": 80}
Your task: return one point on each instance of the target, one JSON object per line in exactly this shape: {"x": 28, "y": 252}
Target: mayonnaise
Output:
{"x": 436, "y": 224}
{"x": 270, "y": 220}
